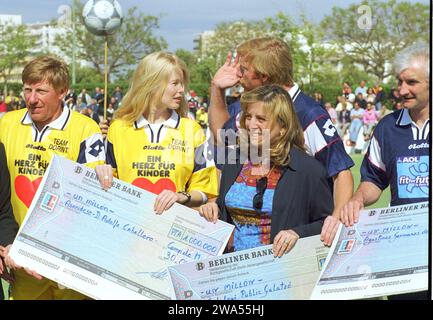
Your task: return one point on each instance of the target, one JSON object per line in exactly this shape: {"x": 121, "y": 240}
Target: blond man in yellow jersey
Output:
{"x": 31, "y": 137}
{"x": 152, "y": 144}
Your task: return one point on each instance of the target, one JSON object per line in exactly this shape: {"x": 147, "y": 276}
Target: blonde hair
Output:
{"x": 278, "y": 106}
{"x": 270, "y": 57}
{"x": 149, "y": 83}
{"x": 47, "y": 68}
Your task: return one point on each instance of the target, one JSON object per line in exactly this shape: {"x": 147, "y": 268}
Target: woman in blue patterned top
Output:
{"x": 275, "y": 192}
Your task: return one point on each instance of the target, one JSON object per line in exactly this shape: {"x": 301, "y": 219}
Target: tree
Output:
{"x": 15, "y": 46}
{"x": 188, "y": 57}
{"x": 311, "y": 56}
{"x": 371, "y": 33}
{"x": 133, "y": 41}
{"x": 201, "y": 70}
{"x": 228, "y": 35}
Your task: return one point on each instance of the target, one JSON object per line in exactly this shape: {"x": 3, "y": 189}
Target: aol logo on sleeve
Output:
{"x": 413, "y": 177}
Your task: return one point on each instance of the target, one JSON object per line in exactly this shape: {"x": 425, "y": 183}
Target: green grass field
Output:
{"x": 386, "y": 195}
{"x": 357, "y": 158}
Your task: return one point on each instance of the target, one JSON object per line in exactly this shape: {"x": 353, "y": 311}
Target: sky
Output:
{"x": 182, "y": 20}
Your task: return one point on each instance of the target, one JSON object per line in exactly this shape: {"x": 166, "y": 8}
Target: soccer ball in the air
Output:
{"x": 102, "y": 17}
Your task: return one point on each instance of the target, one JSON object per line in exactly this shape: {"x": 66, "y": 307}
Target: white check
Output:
{"x": 109, "y": 245}
{"x": 253, "y": 274}
{"x": 385, "y": 253}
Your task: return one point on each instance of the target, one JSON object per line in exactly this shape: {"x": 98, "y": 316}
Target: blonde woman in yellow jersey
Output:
{"x": 31, "y": 137}
{"x": 152, "y": 144}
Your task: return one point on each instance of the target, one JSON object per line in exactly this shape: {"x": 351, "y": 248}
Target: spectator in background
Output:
{"x": 110, "y": 111}
{"x": 383, "y": 112}
{"x": 114, "y": 103}
{"x": 71, "y": 100}
{"x": 80, "y": 105}
{"x": 192, "y": 107}
{"x": 93, "y": 105}
{"x": 319, "y": 98}
{"x": 347, "y": 92}
{"x": 343, "y": 120}
{"x": 361, "y": 89}
{"x": 71, "y": 97}
{"x": 91, "y": 113}
{"x": 369, "y": 119}
{"x": 332, "y": 112}
{"x": 100, "y": 102}
{"x": 343, "y": 103}
{"x": 394, "y": 97}
{"x": 3, "y": 107}
{"x": 201, "y": 117}
{"x": 101, "y": 105}
{"x": 360, "y": 99}
{"x": 84, "y": 96}
{"x": 21, "y": 103}
{"x": 12, "y": 101}
{"x": 356, "y": 116}
{"x": 118, "y": 94}
{"x": 370, "y": 96}
{"x": 380, "y": 96}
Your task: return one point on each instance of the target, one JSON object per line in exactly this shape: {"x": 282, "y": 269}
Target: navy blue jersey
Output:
{"x": 321, "y": 138}
{"x": 398, "y": 156}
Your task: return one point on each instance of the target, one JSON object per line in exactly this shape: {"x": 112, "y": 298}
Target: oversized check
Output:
{"x": 385, "y": 253}
{"x": 109, "y": 245}
{"x": 252, "y": 274}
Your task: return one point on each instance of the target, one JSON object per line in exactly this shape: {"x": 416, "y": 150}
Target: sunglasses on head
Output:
{"x": 261, "y": 185}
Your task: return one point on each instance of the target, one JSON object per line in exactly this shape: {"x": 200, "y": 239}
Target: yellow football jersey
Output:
{"x": 172, "y": 155}
{"x": 29, "y": 151}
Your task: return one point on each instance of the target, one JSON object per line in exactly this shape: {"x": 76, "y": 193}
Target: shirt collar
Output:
{"x": 294, "y": 91}
{"x": 172, "y": 122}
{"x": 404, "y": 118}
{"x": 59, "y": 123}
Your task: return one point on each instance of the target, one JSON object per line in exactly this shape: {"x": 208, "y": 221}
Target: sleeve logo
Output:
{"x": 96, "y": 148}
{"x": 329, "y": 128}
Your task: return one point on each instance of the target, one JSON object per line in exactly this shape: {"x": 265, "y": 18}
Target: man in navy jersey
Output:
{"x": 398, "y": 154}
{"x": 268, "y": 61}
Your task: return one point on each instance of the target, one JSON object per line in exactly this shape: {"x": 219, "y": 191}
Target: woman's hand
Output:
{"x": 105, "y": 176}
{"x": 209, "y": 211}
{"x": 166, "y": 199}
{"x": 284, "y": 242}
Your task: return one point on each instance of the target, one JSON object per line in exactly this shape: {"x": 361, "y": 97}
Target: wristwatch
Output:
{"x": 186, "y": 194}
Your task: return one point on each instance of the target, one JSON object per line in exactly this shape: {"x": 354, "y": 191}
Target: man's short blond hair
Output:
{"x": 49, "y": 69}
{"x": 270, "y": 57}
